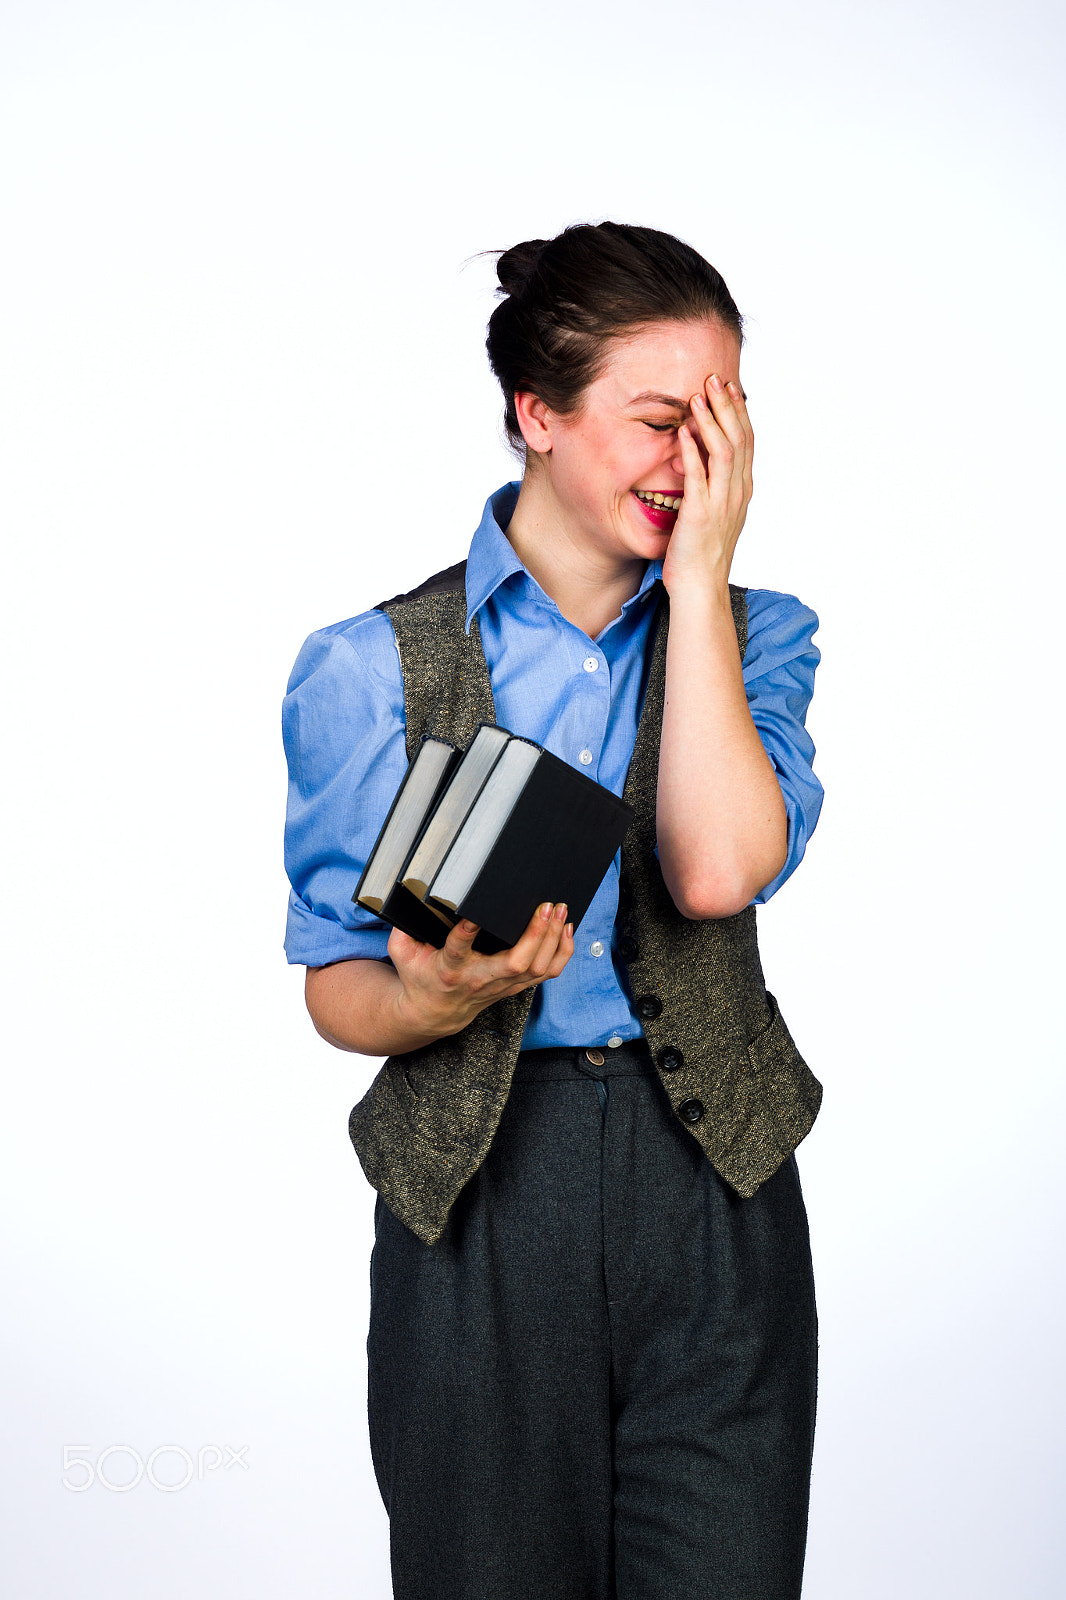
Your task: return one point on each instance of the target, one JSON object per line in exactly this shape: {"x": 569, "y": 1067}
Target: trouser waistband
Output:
{"x": 559, "y": 1062}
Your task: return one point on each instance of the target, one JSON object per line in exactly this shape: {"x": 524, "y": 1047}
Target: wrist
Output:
{"x": 419, "y": 1018}
{"x": 705, "y": 598}
{"x": 409, "y": 1021}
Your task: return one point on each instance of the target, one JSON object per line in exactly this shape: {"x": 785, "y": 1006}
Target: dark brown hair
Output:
{"x": 568, "y": 297}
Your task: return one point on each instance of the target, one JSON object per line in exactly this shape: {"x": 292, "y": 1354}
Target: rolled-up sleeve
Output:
{"x": 343, "y": 728}
{"x": 779, "y": 666}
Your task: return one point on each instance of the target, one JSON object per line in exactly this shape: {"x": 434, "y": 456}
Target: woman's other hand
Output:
{"x": 426, "y": 994}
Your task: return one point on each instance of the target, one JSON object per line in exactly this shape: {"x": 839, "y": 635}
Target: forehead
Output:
{"x": 671, "y": 358}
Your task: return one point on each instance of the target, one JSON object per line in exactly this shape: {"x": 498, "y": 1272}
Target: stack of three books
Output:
{"x": 490, "y": 834}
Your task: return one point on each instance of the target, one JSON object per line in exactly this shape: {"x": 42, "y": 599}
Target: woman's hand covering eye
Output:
{"x": 717, "y": 446}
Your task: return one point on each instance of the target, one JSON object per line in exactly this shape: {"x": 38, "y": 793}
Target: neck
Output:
{"x": 587, "y": 585}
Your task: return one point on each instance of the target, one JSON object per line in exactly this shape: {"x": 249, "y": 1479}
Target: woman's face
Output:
{"x": 621, "y": 446}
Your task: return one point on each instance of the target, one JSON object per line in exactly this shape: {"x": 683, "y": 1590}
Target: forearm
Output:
{"x": 379, "y": 1008}
{"x": 359, "y": 1006}
{"x": 721, "y": 822}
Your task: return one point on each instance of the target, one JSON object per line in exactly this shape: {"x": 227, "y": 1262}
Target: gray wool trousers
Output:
{"x": 600, "y": 1383}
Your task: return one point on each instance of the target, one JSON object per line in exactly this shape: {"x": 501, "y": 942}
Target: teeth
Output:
{"x": 669, "y": 502}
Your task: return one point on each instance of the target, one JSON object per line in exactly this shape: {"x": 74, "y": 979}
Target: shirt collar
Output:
{"x": 492, "y": 559}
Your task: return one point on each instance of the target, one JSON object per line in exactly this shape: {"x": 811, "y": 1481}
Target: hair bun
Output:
{"x": 515, "y": 267}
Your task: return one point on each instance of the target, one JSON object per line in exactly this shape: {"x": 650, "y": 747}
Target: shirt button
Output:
{"x": 585, "y": 758}
{"x": 615, "y": 1040}
{"x": 670, "y": 1059}
{"x": 690, "y": 1110}
{"x": 590, "y": 663}
{"x": 595, "y": 948}
{"x": 649, "y": 1006}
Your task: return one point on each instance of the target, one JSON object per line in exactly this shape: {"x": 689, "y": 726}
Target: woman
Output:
{"x": 592, "y": 1345}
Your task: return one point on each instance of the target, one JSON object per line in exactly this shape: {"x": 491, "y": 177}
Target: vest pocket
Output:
{"x": 429, "y": 1089}
{"x": 772, "y": 1041}
{"x": 786, "y": 1090}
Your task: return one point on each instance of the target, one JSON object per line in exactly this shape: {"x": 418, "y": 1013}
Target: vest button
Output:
{"x": 690, "y": 1110}
{"x": 627, "y": 948}
{"x": 670, "y": 1059}
{"x": 649, "y": 1006}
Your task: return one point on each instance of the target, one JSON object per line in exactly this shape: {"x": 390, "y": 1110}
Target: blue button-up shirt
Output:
{"x": 344, "y": 730}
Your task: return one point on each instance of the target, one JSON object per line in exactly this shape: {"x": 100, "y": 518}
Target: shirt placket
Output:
{"x": 593, "y": 693}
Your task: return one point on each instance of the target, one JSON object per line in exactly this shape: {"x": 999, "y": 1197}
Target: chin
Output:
{"x": 651, "y": 542}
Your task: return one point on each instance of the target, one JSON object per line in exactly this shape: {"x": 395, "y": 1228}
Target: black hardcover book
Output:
{"x": 540, "y": 830}
{"x": 423, "y": 922}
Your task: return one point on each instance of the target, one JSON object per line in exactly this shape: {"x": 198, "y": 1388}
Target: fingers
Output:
{"x": 543, "y": 958}
{"x": 563, "y": 951}
{"x": 447, "y": 988}
{"x": 401, "y": 944}
{"x": 740, "y": 406}
{"x": 517, "y": 959}
{"x": 729, "y": 406}
{"x": 541, "y": 953}
{"x": 719, "y": 426}
{"x": 695, "y": 475}
{"x": 457, "y": 947}
{"x": 532, "y": 955}
{"x": 720, "y": 417}
{"x": 408, "y": 953}
{"x": 740, "y": 412}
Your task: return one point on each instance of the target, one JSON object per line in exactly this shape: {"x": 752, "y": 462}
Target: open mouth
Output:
{"x": 660, "y": 509}
{"x": 652, "y": 497}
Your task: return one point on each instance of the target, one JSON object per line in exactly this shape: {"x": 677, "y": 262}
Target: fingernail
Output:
{"x": 569, "y": 930}
{"x": 545, "y": 911}
{"x": 716, "y": 382}
{"x": 698, "y": 403}
{"x": 731, "y": 386}
{"x": 560, "y": 913}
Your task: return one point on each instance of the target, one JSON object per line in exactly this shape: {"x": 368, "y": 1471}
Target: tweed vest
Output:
{"x": 732, "y": 1074}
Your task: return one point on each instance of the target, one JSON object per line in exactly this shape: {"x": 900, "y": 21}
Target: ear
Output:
{"x": 534, "y": 419}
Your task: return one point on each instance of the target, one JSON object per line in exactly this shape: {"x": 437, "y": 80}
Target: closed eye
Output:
{"x": 662, "y": 427}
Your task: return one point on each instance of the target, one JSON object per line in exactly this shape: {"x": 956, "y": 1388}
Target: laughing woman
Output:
{"x": 592, "y": 1337}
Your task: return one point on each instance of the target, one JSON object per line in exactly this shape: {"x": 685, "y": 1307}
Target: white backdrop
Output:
{"x": 244, "y": 395}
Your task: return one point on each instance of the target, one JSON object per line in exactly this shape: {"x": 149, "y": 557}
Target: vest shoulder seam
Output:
{"x": 448, "y": 581}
